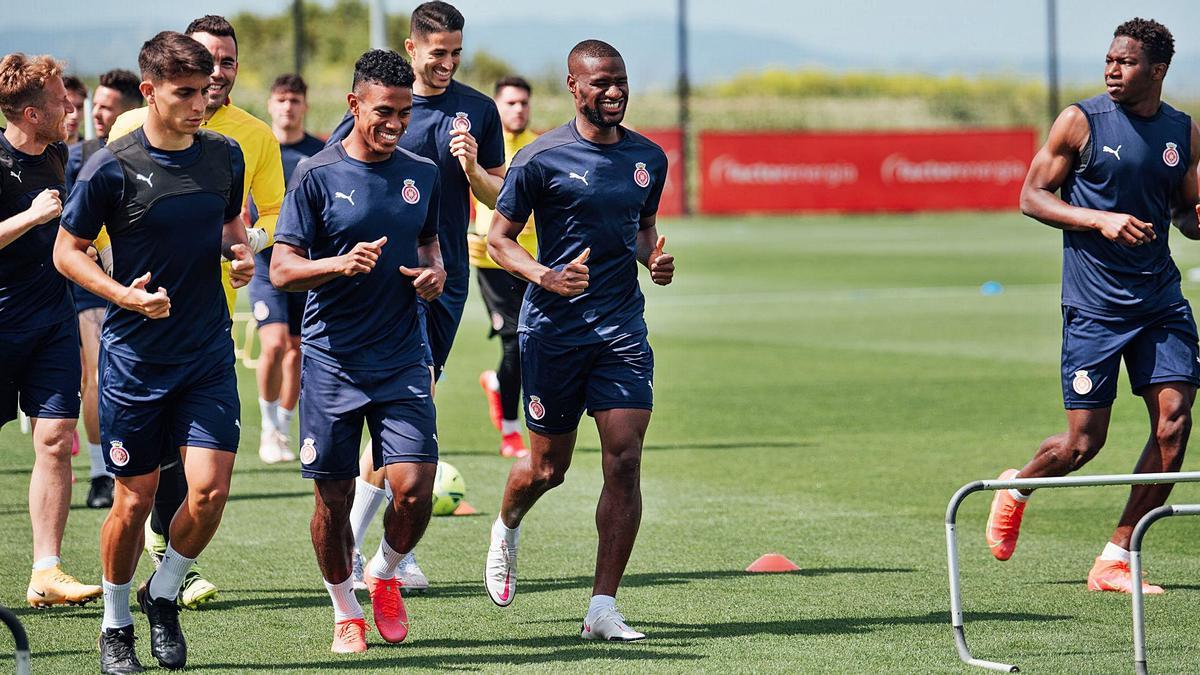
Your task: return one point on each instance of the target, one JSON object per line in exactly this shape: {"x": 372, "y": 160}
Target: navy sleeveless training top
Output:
{"x": 1134, "y": 165}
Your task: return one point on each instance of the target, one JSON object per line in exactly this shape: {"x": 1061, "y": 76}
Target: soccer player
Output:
{"x": 359, "y": 231}
{"x": 77, "y": 92}
{"x": 502, "y": 292}
{"x": 39, "y": 342}
{"x": 264, "y": 179}
{"x": 277, "y": 312}
{"x": 594, "y": 187}
{"x": 169, "y": 195}
{"x": 118, "y": 92}
{"x": 458, "y": 128}
{"x": 1126, "y": 164}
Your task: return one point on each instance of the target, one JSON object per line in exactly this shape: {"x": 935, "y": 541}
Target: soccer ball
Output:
{"x": 449, "y": 488}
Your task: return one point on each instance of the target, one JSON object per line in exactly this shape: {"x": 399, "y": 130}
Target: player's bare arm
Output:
{"x": 1049, "y": 170}
{"x": 1187, "y": 212}
{"x": 485, "y": 183}
{"x": 650, "y": 253}
{"x": 236, "y": 248}
{"x": 73, "y": 262}
{"x": 45, "y": 207}
{"x": 429, "y": 278}
{"x": 571, "y": 280}
{"x": 292, "y": 270}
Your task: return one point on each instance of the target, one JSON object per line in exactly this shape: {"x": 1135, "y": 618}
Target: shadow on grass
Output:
{"x": 655, "y": 447}
{"x": 565, "y": 647}
{"x": 256, "y": 496}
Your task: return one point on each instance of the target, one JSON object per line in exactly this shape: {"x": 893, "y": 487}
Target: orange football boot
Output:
{"x": 391, "y": 619}
{"x": 349, "y": 637}
{"x": 1115, "y": 575}
{"x": 1004, "y": 521}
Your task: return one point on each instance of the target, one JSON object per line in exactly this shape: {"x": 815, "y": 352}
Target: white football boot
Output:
{"x": 608, "y": 624}
{"x": 411, "y": 578}
{"x": 500, "y": 572}
{"x": 268, "y": 447}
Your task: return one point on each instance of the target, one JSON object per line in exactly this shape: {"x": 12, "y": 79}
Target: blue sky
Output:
{"x": 931, "y": 35}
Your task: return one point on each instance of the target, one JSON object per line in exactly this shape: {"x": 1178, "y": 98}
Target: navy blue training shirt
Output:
{"x": 428, "y": 135}
{"x": 177, "y": 240}
{"x": 1136, "y": 166}
{"x": 582, "y": 195}
{"x": 32, "y": 292}
{"x": 368, "y": 321}
{"x": 292, "y": 154}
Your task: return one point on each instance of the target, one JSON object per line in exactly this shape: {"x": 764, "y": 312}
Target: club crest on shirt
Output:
{"x": 536, "y": 410}
{"x": 409, "y": 192}
{"x": 1082, "y": 384}
{"x": 118, "y": 454}
{"x": 308, "y": 451}
{"x": 1171, "y": 155}
{"x": 640, "y": 175}
{"x": 461, "y": 122}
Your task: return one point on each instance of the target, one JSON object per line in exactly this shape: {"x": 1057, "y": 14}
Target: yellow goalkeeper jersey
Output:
{"x": 264, "y": 168}
{"x": 477, "y": 236}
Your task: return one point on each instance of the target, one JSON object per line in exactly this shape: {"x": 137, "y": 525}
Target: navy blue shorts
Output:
{"x": 559, "y": 381}
{"x": 439, "y": 321}
{"x": 85, "y": 299}
{"x": 271, "y": 305}
{"x": 1158, "y": 348}
{"x": 150, "y": 410}
{"x": 395, "y": 404}
{"x": 41, "y": 367}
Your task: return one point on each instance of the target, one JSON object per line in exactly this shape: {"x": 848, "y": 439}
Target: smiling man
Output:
{"x": 359, "y": 230}
{"x": 594, "y": 187}
{"x": 459, "y": 129}
{"x": 1125, "y": 163}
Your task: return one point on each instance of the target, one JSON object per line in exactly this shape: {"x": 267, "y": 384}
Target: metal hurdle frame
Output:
{"x": 956, "y": 614}
{"x": 19, "y": 637}
{"x": 1135, "y": 568}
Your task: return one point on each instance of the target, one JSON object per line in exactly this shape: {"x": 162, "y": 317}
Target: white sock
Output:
{"x": 283, "y": 419}
{"x": 1113, "y": 552}
{"x": 1016, "y": 494}
{"x": 345, "y": 605}
{"x": 96, "y": 457}
{"x": 599, "y": 602}
{"x": 499, "y": 529}
{"x": 169, "y": 576}
{"x": 509, "y": 427}
{"x": 268, "y": 410}
{"x": 383, "y": 564}
{"x": 116, "y": 605}
{"x": 367, "y": 499}
{"x": 46, "y": 563}
{"x": 493, "y": 382}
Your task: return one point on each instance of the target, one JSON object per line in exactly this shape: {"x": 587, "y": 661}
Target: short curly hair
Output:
{"x": 383, "y": 66}
{"x": 1155, "y": 38}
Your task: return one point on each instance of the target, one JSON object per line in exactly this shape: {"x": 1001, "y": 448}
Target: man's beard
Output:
{"x": 593, "y": 115}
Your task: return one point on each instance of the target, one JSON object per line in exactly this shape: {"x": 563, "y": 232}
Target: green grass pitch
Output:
{"x": 823, "y": 385}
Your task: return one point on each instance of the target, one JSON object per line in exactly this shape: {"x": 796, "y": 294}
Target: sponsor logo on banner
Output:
{"x": 726, "y": 169}
{"x": 897, "y": 168}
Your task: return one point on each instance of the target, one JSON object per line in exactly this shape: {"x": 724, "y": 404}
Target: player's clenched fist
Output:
{"x": 464, "y": 146}
{"x": 46, "y": 206}
{"x": 571, "y": 280}
{"x": 155, "y": 305}
{"x": 241, "y": 269}
{"x": 427, "y": 281}
{"x": 1125, "y": 229}
{"x": 361, "y": 259}
{"x": 662, "y": 265}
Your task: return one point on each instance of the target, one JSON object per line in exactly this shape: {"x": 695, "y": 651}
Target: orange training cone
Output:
{"x": 465, "y": 509}
{"x": 772, "y": 562}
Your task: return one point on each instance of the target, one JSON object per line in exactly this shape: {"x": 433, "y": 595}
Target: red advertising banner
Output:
{"x": 671, "y": 141}
{"x": 872, "y": 171}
